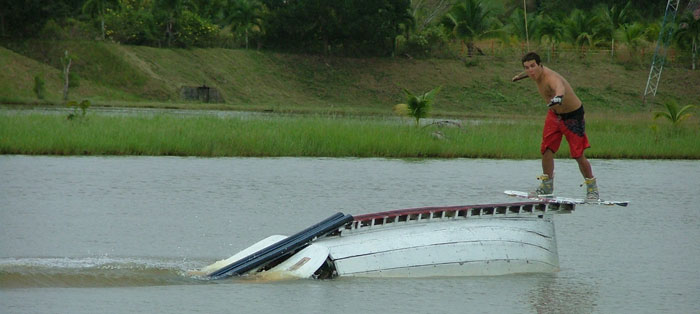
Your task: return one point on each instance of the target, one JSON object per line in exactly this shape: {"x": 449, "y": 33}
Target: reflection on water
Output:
{"x": 557, "y": 293}
{"x": 137, "y": 224}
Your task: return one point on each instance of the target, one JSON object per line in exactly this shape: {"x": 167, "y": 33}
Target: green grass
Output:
{"x": 642, "y": 138}
{"x": 118, "y": 75}
{"x": 333, "y": 92}
{"x": 324, "y": 136}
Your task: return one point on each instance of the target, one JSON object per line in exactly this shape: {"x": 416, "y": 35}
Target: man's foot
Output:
{"x": 591, "y": 189}
{"x": 546, "y": 187}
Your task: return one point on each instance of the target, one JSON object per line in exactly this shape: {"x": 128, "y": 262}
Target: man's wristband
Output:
{"x": 556, "y": 100}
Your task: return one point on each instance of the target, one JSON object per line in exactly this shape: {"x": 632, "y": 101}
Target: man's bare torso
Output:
{"x": 546, "y": 85}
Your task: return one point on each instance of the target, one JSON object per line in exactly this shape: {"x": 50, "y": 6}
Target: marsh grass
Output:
{"x": 324, "y": 136}
{"x": 642, "y": 138}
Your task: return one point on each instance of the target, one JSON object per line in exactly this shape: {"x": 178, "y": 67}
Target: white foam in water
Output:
{"x": 100, "y": 271}
{"x": 103, "y": 262}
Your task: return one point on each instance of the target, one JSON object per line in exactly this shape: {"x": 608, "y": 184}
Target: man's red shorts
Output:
{"x": 572, "y": 125}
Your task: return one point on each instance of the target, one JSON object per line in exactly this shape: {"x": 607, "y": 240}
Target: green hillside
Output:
{"x": 116, "y": 75}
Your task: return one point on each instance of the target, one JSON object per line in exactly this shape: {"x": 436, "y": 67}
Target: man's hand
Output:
{"x": 519, "y": 77}
{"x": 556, "y": 100}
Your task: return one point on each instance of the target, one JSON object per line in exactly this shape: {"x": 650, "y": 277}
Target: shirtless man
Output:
{"x": 564, "y": 117}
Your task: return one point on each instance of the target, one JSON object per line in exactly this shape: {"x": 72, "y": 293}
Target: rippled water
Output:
{"x": 117, "y": 234}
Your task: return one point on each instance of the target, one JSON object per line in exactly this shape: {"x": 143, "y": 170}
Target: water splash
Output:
{"x": 94, "y": 272}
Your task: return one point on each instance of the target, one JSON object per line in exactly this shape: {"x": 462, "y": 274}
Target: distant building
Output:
{"x": 202, "y": 93}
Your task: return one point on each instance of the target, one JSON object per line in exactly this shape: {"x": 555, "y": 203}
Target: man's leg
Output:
{"x": 548, "y": 163}
{"x": 546, "y": 186}
{"x": 551, "y": 139}
{"x": 589, "y": 179}
{"x": 583, "y": 165}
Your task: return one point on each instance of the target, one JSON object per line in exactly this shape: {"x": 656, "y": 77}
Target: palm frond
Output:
{"x": 419, "y": 107}
{"x": 673, "y": 113}
{"x": 684, "y": 113}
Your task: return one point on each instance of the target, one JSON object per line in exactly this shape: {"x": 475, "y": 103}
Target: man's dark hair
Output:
{"x": 531, "y": 56}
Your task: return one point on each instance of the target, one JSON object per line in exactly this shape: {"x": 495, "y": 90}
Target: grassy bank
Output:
{"x": 117, "y": 75}
{"x": 113, "y": 75}
{"x": 205, "y": 135}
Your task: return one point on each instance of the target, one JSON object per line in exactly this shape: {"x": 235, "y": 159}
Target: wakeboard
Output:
{"x": 567, "y": 200}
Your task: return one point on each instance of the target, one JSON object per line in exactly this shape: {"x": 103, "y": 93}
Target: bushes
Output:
{"x": 66, "y": 29}
{"x": 133, "y": 27}
{"x": 141, "y": 27}
{"x": 194, "y": 31}
{"x": 428, "y": 41}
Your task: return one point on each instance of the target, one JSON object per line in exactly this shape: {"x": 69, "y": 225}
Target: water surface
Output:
{"x": 116, "y": 234}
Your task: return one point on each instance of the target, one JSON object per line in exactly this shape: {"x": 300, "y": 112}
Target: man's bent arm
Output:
{"x": 520, "y": 76}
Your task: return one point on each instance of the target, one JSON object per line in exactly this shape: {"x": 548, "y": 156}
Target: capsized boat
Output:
{"x": 471, "y": 240}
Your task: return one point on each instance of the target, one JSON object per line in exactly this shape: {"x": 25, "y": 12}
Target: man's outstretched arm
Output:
{"x": 519, "y": 77}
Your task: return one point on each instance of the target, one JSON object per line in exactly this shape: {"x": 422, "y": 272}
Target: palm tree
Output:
{"x": 674, "y": 114}
{"x": 582, "y": 29}
{"x": 246, "y": 15}
{"x": 549, "y": 31}
{"x": 213, "y": 10}
{"x": 173, "y": 9}
{"x": 405, "y": 23}
{"x": 688, "y": 34}
{"x": 517, "y": 24}
{"x": 98, "y": 7}
{"x": 424, "y": 12}
{"x": 419, "y": 106}
{"x": 632, "y": 36}
{"x": 612, "y": 19}
{"x": 469, "y": 21}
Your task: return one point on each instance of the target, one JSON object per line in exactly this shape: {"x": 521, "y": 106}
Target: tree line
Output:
{"x": 355, "y": 28}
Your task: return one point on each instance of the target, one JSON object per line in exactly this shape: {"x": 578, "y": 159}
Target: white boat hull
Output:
{"x": 473, "y": 240}
{"x": 463, "y": 247}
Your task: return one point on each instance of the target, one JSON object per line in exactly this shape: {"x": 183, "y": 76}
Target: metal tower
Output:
{"x": 657, "y": 63}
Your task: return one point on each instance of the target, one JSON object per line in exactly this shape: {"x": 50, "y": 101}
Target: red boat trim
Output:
{"x": 489, "y": 210}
